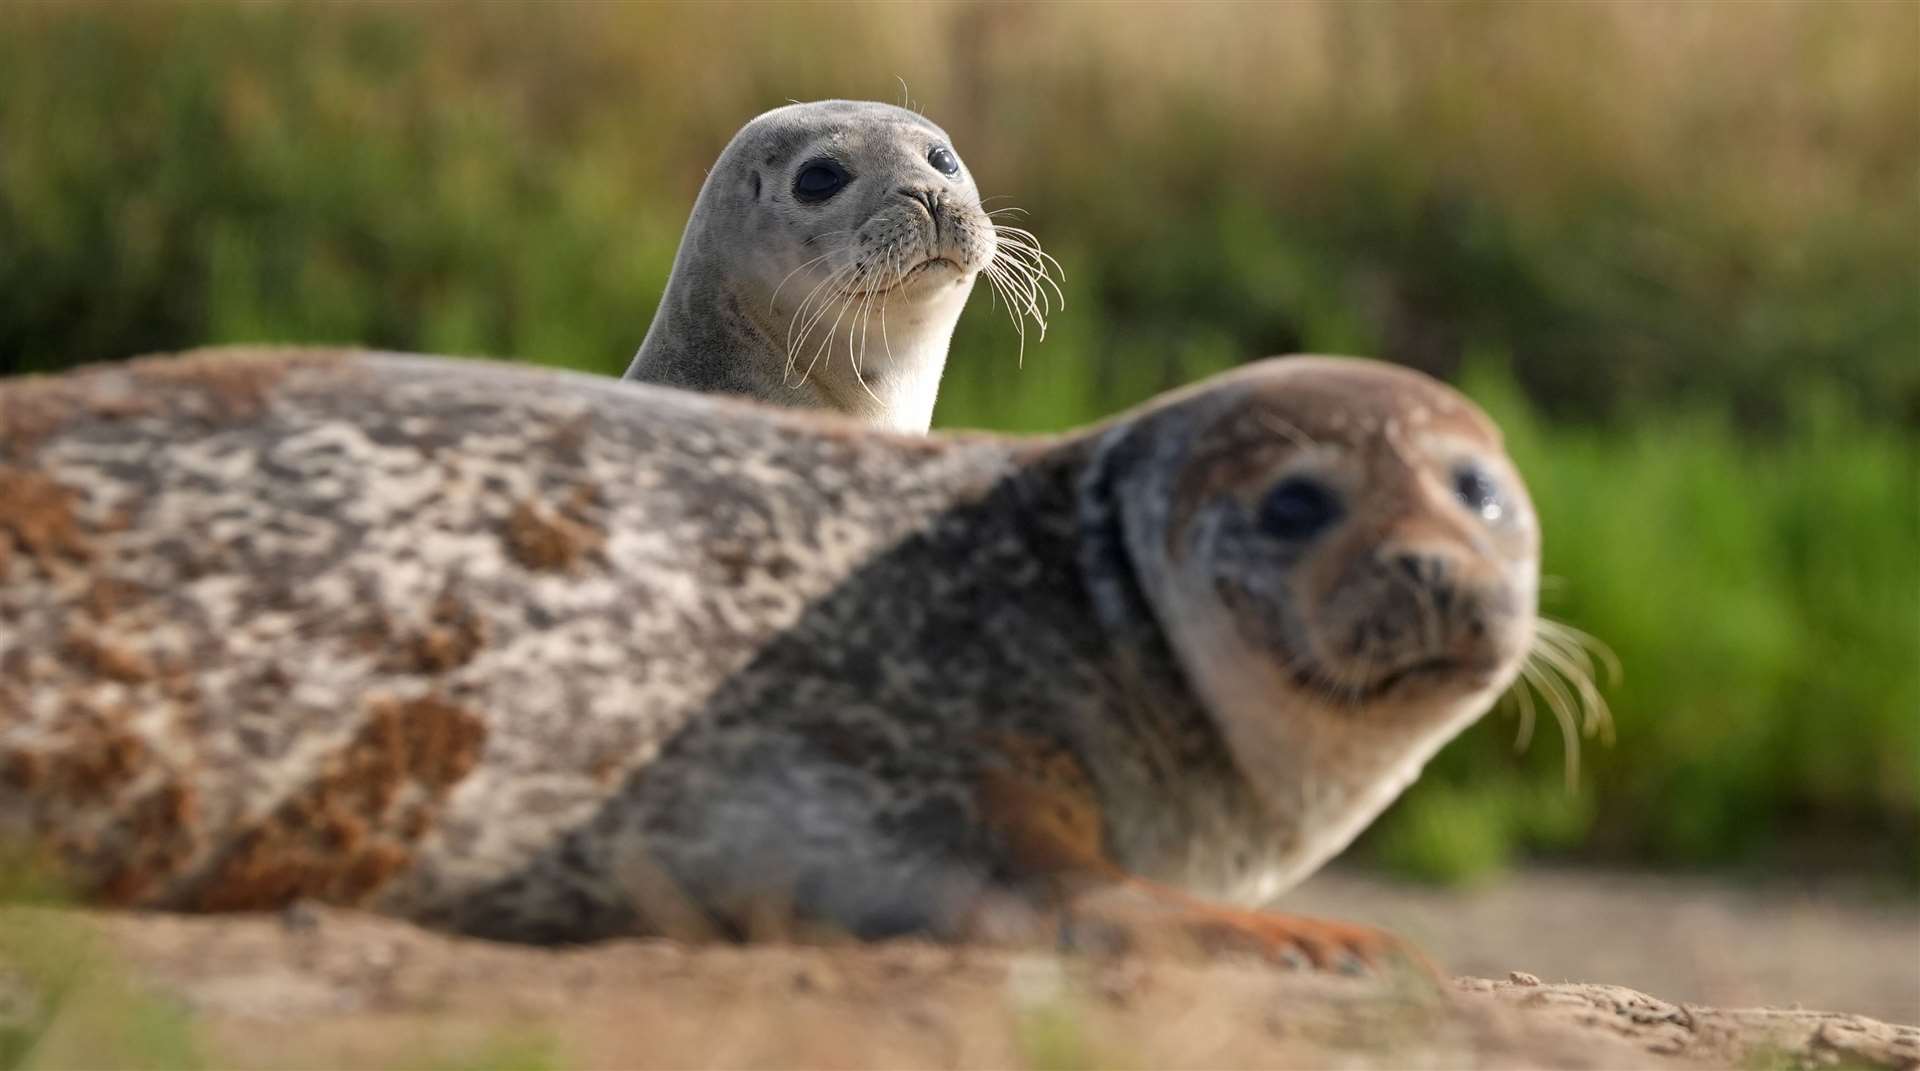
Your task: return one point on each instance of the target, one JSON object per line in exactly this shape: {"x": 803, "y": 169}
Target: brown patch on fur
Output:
{"x": 94, "y": 758}
{"x": 547, "y": 540}
{"x": 353, "y": 827}
{"x": 37, "y": 518}
{"x": 94, "y": 655}
{"x": 1042, "y": 803}
{"x": 162, "y": 827}
{"x": 106, "y": 597}
{"x": 238, "y": 382}
{"x": 34, "y": 408}
{"x": 454, "y": 634}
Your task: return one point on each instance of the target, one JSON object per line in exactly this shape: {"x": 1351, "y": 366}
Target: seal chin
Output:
{"x": 931, "y": 273}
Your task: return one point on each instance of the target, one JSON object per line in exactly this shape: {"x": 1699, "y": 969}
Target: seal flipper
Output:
{"x": 1047, "y": 818}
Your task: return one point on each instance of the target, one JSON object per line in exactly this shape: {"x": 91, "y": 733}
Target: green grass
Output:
{"x": 81, "y": 1009}
{"x": 1690, "y": 240}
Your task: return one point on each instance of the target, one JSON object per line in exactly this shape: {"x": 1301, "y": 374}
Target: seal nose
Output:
{"x": 1430, "y": 570}
{"x": 927, "y": 199}
{"x": 1425, "y": 568}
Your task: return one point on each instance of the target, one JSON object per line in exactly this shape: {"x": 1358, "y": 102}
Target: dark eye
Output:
{"x": 819, "y": 180}
{"x": 1478, "y": 492}
{"x": 1298, "y": 509}
{"x": 944, "y": 161}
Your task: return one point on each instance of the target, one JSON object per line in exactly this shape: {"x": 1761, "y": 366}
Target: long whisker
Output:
{"x": 998, "y": 280}
{"x": 1560, "y": 701}
{"x": 1034, "y": 269}
{"x": 804, "y": 266}
{"x": 832, "y": 279}
{"x": 1580, "y": 639}
{"x": 1581, "y": 649}
{"x": 836, "y": 293}
{"x": 1022, "y": 275}
{"x": 1523, "y": 700}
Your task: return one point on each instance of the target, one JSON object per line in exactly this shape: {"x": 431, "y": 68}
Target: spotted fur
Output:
{"x": 521, "y": 653}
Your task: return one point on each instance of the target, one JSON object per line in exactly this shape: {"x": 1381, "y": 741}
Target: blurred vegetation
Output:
{"x": 1675, "y": 248}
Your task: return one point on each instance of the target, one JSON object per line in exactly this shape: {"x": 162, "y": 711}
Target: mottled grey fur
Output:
{"x": 512, "y": 651}
{"x": 753, "y": 254}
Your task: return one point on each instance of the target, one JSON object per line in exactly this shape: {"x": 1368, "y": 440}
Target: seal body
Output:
{"x": 830, "y": 252}
{"x": 544, "y": 657}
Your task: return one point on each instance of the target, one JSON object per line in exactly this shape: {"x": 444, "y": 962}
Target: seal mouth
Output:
{"x": 1449, "y": 669}
{"x": 910, "y": 275}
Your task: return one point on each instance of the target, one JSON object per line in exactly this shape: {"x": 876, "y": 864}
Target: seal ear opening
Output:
{"x": 756, "y": 184}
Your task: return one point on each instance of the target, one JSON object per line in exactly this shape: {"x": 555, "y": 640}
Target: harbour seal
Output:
{"x": 828, "y": 257}
{"x": 539, "y": 656}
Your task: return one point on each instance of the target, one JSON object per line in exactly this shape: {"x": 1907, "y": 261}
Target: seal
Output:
{"x": 828, "y": 257}
{"x": 546, "y": 657}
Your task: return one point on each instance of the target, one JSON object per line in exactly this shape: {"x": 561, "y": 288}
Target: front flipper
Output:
{"x": 1044, "y": 811}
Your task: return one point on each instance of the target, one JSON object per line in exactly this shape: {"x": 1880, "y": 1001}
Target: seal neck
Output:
{"x": 1176, "y": 803}
{"x": 880, "y": 364}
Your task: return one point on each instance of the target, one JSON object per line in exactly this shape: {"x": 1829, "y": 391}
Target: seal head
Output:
{"x": 829, "y": 254}
{"x": 1345, "y": 564}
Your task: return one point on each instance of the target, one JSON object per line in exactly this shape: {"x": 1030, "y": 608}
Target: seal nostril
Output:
{"x": 927, "y": 199}
{"x": 1430, "y": 571}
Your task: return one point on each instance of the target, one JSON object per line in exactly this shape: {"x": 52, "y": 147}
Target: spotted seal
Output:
{"x": 829, "y": 254}
{"x": 529, "y": 655}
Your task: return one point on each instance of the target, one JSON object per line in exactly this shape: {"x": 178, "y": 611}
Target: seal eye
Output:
{"x": 1298, "y": 509}
{"x": 819, "y": 180}
{"x": 944, "y": 161}
{"x": 1477, "y": 491}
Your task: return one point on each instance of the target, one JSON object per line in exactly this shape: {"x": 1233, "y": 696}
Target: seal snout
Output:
{"x": 928, "y": 199}
{"x": 1418, "y": 611}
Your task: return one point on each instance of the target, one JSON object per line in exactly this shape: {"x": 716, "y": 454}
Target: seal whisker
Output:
{"x": 843, "y": 301}
{"x": 863, "y": 317}
{"x": 1523, "y": 704}
{"x": 774, "y": 299}
{"x": 1583, "y": 641}
{"x": 1027, "y": 278}
{"x": 1562, "y": 703}
{"x": 825, "y": 283}
{"x": 1023, "y": 273}
{"x": 828, "y": 285}
{"x": 832, "y": 287}
{"x": 1026, "y": 239}
{"x": 1036, "y": 262}
{"x": 886, "y": 344}
{"x": 1001, "y": 286}
{"x": 1556, "y": 644}
{"x": 838, "y": 303}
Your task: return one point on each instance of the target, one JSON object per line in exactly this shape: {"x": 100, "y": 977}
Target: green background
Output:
{"x": 1674, "y": 248}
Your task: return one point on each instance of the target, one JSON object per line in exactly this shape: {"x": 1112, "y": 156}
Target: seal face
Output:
{"x": 550, "y": 657}
{"x": 828, "y": 258}
{"x": 1347, "y": 565}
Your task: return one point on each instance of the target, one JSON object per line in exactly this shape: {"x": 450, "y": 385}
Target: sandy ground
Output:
{"x": 1690, "y": 939}
{"x": 336, "y": 989}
